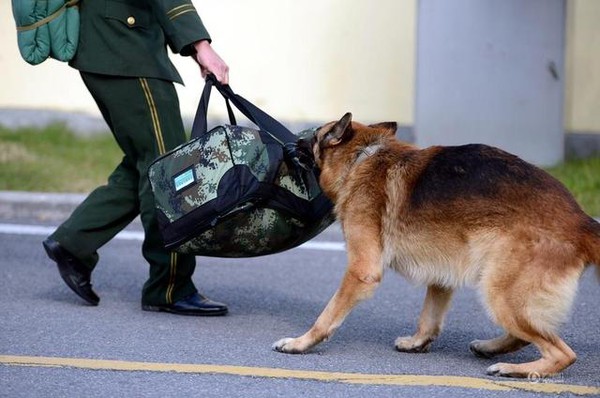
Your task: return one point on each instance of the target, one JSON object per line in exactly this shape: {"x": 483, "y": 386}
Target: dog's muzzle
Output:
{"x": 301, "y": 152}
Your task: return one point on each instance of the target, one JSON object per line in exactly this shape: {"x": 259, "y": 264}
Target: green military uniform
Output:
{"x": 122, "y": 57}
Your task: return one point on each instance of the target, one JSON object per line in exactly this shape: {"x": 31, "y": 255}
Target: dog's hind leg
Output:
{"x": 500, "y": 345}
{"x": 437, "y": 302}
{"x": 362, "y": 277}
{"x": 556, "y": 356}
{"x": 530, "y": 305}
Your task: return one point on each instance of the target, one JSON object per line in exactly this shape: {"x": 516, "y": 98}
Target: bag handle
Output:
{"x": 299, "y": 152}
{"x": 200, "y": 126}
{"x": 251, "y": 111}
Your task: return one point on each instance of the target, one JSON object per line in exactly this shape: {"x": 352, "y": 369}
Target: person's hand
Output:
{"x": 210, "y": 62}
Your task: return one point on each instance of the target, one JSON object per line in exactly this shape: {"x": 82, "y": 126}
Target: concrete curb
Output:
{"x": 41, "y": 197}
{"x": 50, "y": 208}
{"x": 38, "y": 206}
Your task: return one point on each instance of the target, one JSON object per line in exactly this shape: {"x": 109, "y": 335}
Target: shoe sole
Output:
{"x": 54, "y": 255}
{"x": 156, "y": 308}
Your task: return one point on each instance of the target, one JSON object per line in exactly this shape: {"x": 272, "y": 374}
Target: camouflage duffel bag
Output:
{"x": 237, "y": 191}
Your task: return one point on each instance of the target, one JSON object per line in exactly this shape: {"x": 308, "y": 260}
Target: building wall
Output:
{"x": 301, "y": 60}
{"x": 314, "y": 60}
{"x": 582, "y": 107}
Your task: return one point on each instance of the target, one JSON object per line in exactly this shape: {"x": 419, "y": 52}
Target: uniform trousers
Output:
{"x": 144, "y": 117}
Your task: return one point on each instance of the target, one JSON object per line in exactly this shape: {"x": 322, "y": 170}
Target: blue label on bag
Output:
{"x": 184, "y": 179}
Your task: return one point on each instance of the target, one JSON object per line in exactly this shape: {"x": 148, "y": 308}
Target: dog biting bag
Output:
{"x": 46, "y": 28}
{"x": 237, "y": 191}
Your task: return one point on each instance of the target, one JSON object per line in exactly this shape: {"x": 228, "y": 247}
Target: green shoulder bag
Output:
{"x": 46, "y": 28}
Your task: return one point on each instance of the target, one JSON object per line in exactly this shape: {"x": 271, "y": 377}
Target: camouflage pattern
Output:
{"x": 257, "y": 232}
{"x": 211, "y": 156}
{"x": 248, "y": 230}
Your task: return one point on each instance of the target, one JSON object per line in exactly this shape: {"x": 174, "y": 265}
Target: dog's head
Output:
{"x": 337, "y": 145}
{"x": 347, "y": 137}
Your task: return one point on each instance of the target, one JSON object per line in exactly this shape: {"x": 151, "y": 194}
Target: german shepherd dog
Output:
{"x": 453, "y": 216}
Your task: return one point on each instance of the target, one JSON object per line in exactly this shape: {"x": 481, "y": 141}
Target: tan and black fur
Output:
{"x": 447, "y": 217}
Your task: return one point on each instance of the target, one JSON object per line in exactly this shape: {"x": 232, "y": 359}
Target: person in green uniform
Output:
{"x": 122, "y": 58}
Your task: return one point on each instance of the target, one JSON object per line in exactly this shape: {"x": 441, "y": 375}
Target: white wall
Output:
{"x": 301, "y": 60}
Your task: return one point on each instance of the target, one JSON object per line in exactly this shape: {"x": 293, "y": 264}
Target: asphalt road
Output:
{"x": 52, "y": 345}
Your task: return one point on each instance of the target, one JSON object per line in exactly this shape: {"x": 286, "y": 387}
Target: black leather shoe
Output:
{"x": 75, "y": 274}
{"x": 194, "y": 304}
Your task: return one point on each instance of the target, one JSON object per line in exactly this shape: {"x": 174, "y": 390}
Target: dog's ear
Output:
{"x": 340, "y": 131}
{"x": 387, "y": 127}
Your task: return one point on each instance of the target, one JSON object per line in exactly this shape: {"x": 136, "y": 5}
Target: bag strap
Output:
{"x": 251, "y": 111}
{"x": 200, "y": 126}
{"x": 49, "y": 18}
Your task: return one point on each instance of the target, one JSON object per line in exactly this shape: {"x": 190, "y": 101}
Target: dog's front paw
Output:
{"x": 287, "y": 345}
{"x": 413, "y": 344}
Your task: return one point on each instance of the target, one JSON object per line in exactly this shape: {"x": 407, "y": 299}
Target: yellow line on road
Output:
{"x": 339, "y": 377}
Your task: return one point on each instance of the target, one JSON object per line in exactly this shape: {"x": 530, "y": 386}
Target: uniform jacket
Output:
{"x": 130, "y": 37}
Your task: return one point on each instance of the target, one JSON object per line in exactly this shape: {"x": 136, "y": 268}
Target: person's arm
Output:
{"x": 187, "y": 36}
